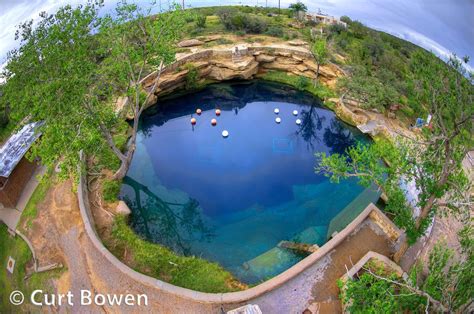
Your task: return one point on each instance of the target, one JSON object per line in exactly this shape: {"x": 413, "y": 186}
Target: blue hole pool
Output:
{"x": 233, "y": 200}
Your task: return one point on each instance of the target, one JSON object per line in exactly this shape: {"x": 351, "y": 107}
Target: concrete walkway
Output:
{"x": 11, "y": 216}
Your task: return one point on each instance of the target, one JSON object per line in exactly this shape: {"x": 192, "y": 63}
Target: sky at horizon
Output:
{"x": 441, "y": 26}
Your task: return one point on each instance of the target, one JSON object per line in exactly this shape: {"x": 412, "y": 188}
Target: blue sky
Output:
{"x": 443, "y": 26}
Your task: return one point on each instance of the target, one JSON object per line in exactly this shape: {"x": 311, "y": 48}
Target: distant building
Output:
{"x": 324, "y": 19}
{"x": 15, "y": 170}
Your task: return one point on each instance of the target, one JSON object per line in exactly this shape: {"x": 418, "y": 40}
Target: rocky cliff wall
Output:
{"x": 225, "y": 64}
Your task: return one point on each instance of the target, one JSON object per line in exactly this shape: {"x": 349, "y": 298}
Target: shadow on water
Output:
{"x": 172, "y": 224}
{"x": 311, "y": 123}
{"x": 338, "y": 137}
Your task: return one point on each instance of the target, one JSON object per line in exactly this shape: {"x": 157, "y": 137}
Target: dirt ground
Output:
{"x": 57, "y": 214}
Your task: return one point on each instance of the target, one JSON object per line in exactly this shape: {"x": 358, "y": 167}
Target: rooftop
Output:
{"x": 16, "y": 147}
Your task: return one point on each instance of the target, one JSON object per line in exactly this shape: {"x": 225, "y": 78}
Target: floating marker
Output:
{"x": 295, "y": 112}
{"x": 298, "y": 121}
{"x": 225, "y": 133}
{"x": 214, "y": 122}
{"x": 276, "y": 111}
{"x": 218, "y": 112}
{"x": 278, "y": 120}
{"x": 193, "y": 121}
{"x": 198, "y": 111}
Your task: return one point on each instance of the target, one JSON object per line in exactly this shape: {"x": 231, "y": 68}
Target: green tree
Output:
{"x": 320, "y": 55}
{"x": 298, "y": 10}
{"x": 432, "y": 162}
{"x": 72, "y": 66}
{"x": 368, "y": 90}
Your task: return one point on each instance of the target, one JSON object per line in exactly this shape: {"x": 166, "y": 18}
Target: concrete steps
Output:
{"x": 280, "y": 257}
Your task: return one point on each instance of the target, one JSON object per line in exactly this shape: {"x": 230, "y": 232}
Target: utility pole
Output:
{"x": 279, "y": 8}
{"x": 183, "y": 4}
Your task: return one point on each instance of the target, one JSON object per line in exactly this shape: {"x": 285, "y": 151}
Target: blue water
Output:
{"x": 232, "y": 200}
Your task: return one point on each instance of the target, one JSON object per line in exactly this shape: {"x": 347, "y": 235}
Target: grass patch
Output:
{"x": 19, "y": 250}
{"x": 111, "y": 190}
{"x": 319, "y": 90}
{"x": 31, "y": 210}
{"x": 159, "y": 262}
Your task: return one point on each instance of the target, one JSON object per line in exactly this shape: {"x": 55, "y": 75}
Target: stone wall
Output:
{"x": 385, "y": 224}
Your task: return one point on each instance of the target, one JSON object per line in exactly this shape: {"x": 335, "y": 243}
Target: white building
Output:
{"x": 324, "y": 19}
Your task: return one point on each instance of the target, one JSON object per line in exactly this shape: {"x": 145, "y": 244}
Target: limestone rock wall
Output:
{"x": 222, "y": 65}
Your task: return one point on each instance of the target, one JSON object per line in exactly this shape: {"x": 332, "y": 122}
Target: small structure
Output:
{"x": 369, "y": 128}
{"x": 246, "y": 309}
{"x": 10, "y": 264}
{"x": 324, "y": 19}
{"x": 238, "y": 52}
{"x": 15, "y": 170}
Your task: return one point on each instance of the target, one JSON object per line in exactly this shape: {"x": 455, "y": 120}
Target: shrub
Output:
{"x": 302, "y": 82}
{"x": 275, "y": 31}
{"x": 201, "y": 21}
{"x": 335, "y": 29}
{"x": 234, "y": 20}
{"x": 191, "y": 76}
{"x": 223, "y": 41}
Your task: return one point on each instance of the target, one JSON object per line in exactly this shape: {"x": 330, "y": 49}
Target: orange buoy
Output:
{"x": 218, "y": 112}
{"x": 214, "y": 122}
{"x": 193, "y": 121}
{"x": 198, "y": 111}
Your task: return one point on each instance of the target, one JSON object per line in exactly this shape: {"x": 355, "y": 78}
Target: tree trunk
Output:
{"x": 317, "y": 75}
{"x": 125, "y": 164}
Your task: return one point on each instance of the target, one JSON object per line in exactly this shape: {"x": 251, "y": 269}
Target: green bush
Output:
{"x": 111, "y": 190}
{"x": 302, "y": 82}
{"x": 201, "y": 21}
{"x": 191, "y": 76}
{"x": 275, "y": 31}
{"x": 235, "y": 20}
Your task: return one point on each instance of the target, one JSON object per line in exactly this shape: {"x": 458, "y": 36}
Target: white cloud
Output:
{"x": 20, "y": 11}
{"x": 427, "y": 43}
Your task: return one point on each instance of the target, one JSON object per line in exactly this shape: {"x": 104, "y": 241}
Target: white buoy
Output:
{"x": 278, "y": 120}
{"x": 225, "y": 133}
{"x": 295, "y": 112}
{"x": 298, "y": 121}
{"x": 276, "y": 111}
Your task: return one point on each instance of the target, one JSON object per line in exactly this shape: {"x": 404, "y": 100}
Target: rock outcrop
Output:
{"x": 190, "y": 43}
{"x": 223, "y": 65}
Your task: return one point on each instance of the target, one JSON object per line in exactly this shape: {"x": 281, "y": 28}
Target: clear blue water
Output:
{"x": 232, "y": 200}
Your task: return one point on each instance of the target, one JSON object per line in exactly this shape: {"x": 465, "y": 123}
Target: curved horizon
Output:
{"x": 444, "y": 27}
